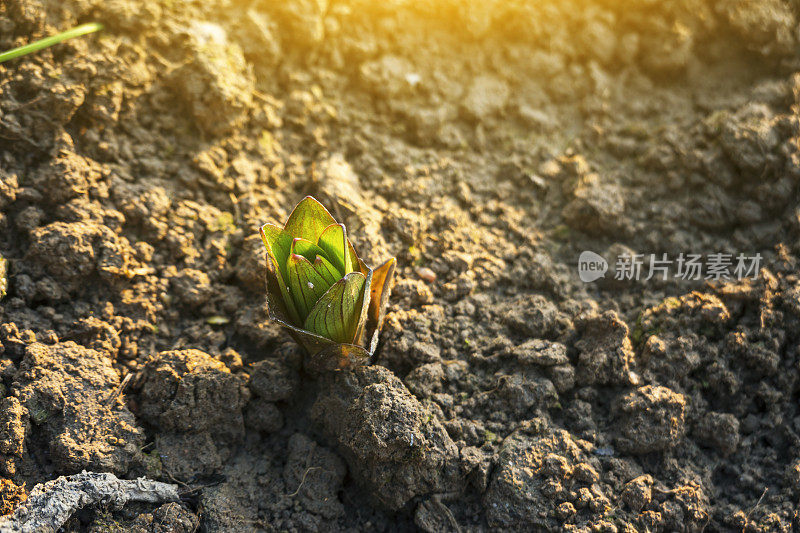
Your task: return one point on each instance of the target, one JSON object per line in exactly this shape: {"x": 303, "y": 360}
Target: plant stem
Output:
{"x": 83, "y": 29}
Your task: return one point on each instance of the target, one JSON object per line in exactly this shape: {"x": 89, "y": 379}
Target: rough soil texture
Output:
{"x": 486, "y": 142}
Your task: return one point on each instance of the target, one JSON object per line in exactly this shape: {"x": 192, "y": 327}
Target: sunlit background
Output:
{"x": 484, "y": 144}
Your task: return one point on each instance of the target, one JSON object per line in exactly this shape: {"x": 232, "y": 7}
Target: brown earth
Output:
{"x": 490, "y": 142}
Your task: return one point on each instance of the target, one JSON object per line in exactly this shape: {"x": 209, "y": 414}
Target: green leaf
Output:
{"x": 307, "y": 249}
{"x": 308, "y": 220}
{"x": 358, "y": 264}
{"x": 326, "y": 270}
{"x": 336, "y": 315}
{"x": 305, "y": 284}
{"x": 279, "y": 244}
{"x": 334, "y": 241}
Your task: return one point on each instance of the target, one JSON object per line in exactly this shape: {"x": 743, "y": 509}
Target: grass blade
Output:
{"x": 41, "y": 44}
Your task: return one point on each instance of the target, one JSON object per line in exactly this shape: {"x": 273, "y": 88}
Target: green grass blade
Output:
{"x": 41, "y": 44}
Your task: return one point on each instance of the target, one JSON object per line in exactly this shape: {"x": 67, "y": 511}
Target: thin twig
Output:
{"x": 757, "y": 503}
{"x": 304, "y": 479}
{"x": 119, "y": 389}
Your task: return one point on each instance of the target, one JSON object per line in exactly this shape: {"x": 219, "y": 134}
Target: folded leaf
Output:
{"x": 364, "y": 305}
{"x": 308, "y": 220}
{"x": 326, "y": 270}
{"x": 278, "y": 244}
{"x": 305, "y": 284}
{"x": 357, "y": 264}
{"x": 336, "y": 315}
{"x": 379, "y": 290}
{"x": 307, "y": 249}
{"x": 334, "y": 241}
{"x": 379, "y": 295}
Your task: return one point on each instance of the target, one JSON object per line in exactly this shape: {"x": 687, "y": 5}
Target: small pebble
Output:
{"x": 604, "y": 452}
{"x": 426, "y": 274}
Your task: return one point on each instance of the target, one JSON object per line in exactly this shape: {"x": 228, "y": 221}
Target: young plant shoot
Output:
{"x": 47, "y": 42}
{"x": 330, "y": 301}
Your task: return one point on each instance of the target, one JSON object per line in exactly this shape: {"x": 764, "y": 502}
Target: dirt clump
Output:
{"x": 650, "y": 419}
{"x": 168, "y": 517}
{"x": 11, "y": 495}
{"x": 67, "y": 398}
{"x": 638, "y": 492}
{"x": 217, "y": 84}
{"x": 605, "y": 353}
{"x": 178, "y": 385}
{"x": 392, "y": 444}
{"x": 537, "y": 473}
{"x": 720, "y": 431}
{"x": 270, "y": 381}
{"x": 317, "y": 472}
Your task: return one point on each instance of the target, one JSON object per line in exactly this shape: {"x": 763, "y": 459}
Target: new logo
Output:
{"x": 591, "y": 266}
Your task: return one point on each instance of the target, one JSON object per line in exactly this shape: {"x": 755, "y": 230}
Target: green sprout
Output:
{"x": 330, "y": 301}
{"x": 41, "y": 44}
